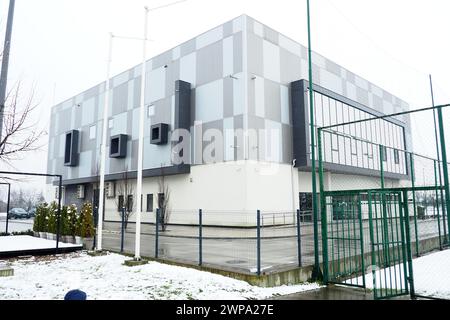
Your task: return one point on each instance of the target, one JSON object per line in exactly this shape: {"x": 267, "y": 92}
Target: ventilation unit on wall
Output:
{"x": 80, "y": 192}
{"x": 118, "y": 146}
{"x": 159, "y": 134}
{"x": 109, "y": 189}
{"x": 57, "y": 192}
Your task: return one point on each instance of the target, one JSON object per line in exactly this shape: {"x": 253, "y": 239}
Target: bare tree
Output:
{"x": 164, "y": 201}
{"x": 126, "y": 190}
{"x": 21, "y": 134}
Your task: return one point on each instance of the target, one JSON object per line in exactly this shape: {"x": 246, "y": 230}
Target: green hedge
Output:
{"x": 73, "y": 223}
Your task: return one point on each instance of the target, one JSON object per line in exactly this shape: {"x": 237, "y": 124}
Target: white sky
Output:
{"x": 61, "y": 46}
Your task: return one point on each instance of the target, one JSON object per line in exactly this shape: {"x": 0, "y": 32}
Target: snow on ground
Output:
{"x": 106, "y": 278}
{"x": 431, "y": 275}
{"x": 21, "y": 243}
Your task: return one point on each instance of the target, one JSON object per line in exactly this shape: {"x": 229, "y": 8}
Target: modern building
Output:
{"x": 240, "y": 91}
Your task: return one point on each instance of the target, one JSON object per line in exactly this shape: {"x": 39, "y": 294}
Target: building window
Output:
{"x": 396, "y": 156}
{"x": 160, "y": 200}
{"x": 385, "y": 151}
{"x": 71, "y": 149}
{"x": 130, "y": 203}
{"x": 120, "y": 204}
{"x": 149, "y": 202}
{"x": 92, "y": 132}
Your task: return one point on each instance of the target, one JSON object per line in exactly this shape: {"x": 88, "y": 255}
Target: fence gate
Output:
{"x": 343, "y": 238}
{"x": 389, "y": 242}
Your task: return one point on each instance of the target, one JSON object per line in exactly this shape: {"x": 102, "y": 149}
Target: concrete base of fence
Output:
{"x": 135, "y": 263}
{"x": 6, "y": 272}
{"x": 279, "y": 277}
{"x": 97, "y": 253}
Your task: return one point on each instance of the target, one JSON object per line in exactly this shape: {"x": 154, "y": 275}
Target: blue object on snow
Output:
{"x": 75, "y": 295}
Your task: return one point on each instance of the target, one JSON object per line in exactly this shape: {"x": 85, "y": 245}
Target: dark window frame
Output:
{"x": 120, "y": 202}
{"x": 149, "y": 204}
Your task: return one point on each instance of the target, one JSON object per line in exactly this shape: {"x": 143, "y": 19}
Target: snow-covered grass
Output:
{"x": 106, "y": 278}
{"x": 431, "y": 275}
{"x": 21, "y": 243}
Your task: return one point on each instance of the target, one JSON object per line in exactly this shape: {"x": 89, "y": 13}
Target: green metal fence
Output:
{"x": 388, "y": 206}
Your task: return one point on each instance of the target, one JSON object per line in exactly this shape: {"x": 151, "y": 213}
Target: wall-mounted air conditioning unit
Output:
{"x": 110, "y": 190}
{"x": 80, "y": 191}
{"x": 57, "y": 192}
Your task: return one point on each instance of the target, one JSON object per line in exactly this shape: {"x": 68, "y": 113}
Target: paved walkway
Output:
{"x": 330, "y": 293}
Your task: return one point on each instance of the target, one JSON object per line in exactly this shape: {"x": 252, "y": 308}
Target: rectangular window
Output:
{"x": 385, "y": 151}
{"x": 396, "y": 156}
{"x": 130, "y": 203}
{"x": 149, "y": 202}
{"x": 120, "y": 204}
{"x": 160, "y": 200}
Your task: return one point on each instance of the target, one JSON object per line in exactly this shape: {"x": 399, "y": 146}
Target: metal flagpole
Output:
{"x": 137, "y": 250}
{"x": 316, "y": 273}
{"x": 103, "y": 148}
{"x": 5, "y": 61}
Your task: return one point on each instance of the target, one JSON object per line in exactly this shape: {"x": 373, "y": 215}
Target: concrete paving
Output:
{"x": 330, "y": 293}
{"x": 16, "y": 225}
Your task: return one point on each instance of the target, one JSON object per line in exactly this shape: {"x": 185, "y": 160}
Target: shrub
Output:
{"x": 85, "y": 225}
{"x": 40, "y": 221}
{"x": 71, "y": 220}
{"x": 52, "y": 218}
{"x": 64, "y": 222}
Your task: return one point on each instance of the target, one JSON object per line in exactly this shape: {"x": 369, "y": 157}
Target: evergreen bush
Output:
{"x": 40, "y": 220}
{"x": 85, "y": 225}
{"x": 52, "y": 218}
{"x": 71, "y": 220}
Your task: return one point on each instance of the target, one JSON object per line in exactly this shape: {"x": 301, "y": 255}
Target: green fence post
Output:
{"x": 299, "y": 240}
{"x": 413, "y": 184}
{"x": 200, "y": 237}
{"x": 383, "y": 206}
{"x": 361, "y": 235}
{"x": 436, "y": 203}
{"x": 258, "y": 242}
{"x": 157, "y": 233}
{"x": 323, "y": 209}
{"x": 409, "y": 275}
{"x": 316, "y": 274}
{"x": 372, "y": 245}
{"x": 444, "y": 167}
{"x": 382, "y": 166}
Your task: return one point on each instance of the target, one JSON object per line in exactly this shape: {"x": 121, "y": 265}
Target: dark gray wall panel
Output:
{"x": 182, "y": 105}
{"x": 299, "y": 123}
{"x": 120, "y": 99}
{"x": 211, "y": 66}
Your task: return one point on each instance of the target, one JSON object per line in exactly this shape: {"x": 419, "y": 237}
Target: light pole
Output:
{"x": 137, "y": 249}
{"x": 104, "y": 140}
{"x": 141, "y": 133}
{"x": 137, "y": 254}
{"x": 101, "y": 196}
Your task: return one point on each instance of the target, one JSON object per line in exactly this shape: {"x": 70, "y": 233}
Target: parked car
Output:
{"x": 18, "y": 213}
{"x": 32, "y": 212}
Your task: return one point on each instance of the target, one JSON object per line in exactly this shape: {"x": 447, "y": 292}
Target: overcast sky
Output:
{"x": 60, "y": 47}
